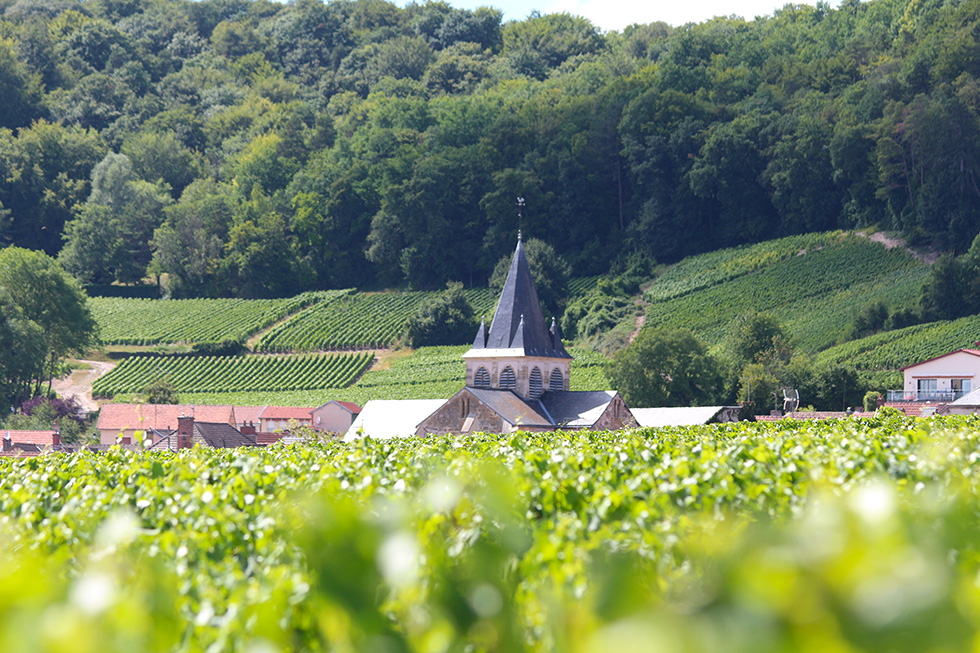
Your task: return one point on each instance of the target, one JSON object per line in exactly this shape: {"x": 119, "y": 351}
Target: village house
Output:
{"x": 517, "y": 378}
{"x": 942, "y": 379}
{"x": 262, "y": 425}
{"x": 119, "y": 423}
{"x": 275, "y": 418}
{"x": 190, "y": 433}
{"x": 21, "y": 444}
{"x": 335, "y": 416}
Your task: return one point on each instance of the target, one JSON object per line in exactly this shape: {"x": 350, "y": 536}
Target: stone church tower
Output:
{"x": 519, "y": 352}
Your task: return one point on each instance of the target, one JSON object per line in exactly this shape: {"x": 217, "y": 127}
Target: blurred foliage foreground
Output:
{"x": 841, "y": 536}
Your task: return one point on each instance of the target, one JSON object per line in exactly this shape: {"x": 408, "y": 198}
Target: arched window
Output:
{"x": 535, "y": 386}
{"x": 557, "y": 382}
{"x": 508, "y": 379}
{"x": 482, "y": 378}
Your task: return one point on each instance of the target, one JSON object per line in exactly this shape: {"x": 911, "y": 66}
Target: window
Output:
{"x": 535, "y": 385}
{"x": 508, "y": 379}
{"x": 960, "y": 386}
{"x": 927, "y": 389}
{"x": 557, "y": 383}
{"x": 482, "y": 378}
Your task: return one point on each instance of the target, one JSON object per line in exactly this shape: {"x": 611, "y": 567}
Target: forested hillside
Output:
{"x": 255, "y": 149}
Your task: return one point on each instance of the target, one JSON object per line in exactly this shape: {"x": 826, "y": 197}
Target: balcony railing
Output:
{"x": 938, "y": 396}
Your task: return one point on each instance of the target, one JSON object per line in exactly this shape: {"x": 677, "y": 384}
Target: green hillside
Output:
{"x": 235, "y": 373}
{"x": 192, "y": 321}
{"x": 359, "y": 321}
{"x": 892, "y": 350}
{"x": 428, "y": 373}
{"x": 814, "y": 284}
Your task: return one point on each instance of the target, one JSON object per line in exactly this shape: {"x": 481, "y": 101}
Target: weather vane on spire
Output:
{"x": 520, "y": 216}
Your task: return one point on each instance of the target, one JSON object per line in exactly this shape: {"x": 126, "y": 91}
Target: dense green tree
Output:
{"x": 548, "y": 269}
{"x": 162, "y": 158}
{"x": 91, "y": 245}
{"x": 541, "y": 43}
{"x": 447, "y": 319}
{"x": 51, "y": 299}
{"x": 235, "y": 39}
{"x": 22, "y": 354}
{"x": 758, "y": 336}
{"x": 44, "y": 174}
{"x": 458, "y": 68}
{"x": 111, "y": 235}
{"x": 254, "y": 265}
{"x": 21, "y": 90}
{"x": 430, "y": 119}
{"x": 665, "y": 368}
{"x": 189, "y": 246}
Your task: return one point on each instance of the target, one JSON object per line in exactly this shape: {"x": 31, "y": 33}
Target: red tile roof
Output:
{"x": 347, "y": 405}
{"x": 910, "y": 408}
{"x": 351, "y": 406}
{"x": 265, "y": 438}
{"x": 245, "y": 414}
{"x": 29, "y": 437}
{"x": 287, "y": 412}
{"x": 122, "y": 417}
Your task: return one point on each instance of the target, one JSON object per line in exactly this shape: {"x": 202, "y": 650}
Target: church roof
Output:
{"x": 518, "y": 324}
{"x": 512, "y": 408}
{"x": 577, "y": 408}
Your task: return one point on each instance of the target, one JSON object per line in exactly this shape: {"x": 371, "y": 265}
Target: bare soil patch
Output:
{"x": 891, "y": 241}
{"x": 79, "y": 383}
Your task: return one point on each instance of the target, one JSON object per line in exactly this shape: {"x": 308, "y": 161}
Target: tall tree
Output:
{"x": 665, "y": 368}
{"x": 50, "y": 298}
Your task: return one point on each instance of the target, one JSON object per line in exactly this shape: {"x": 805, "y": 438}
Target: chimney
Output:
{"x": 56, "y": 436}
{"x": 8, "y": 443}
{"x": 248, "y": 428}
{"x": 185, "y": 432}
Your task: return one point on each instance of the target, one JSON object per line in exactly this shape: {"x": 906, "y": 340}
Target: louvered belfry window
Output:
{"x": 557, "y": 383}
{"x": 508, "y": 379}
{"x": 482, "y": 378}
{"x": 536, "y": 387}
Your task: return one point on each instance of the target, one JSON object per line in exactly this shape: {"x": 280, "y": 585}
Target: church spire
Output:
{"x": 518, "y": 322}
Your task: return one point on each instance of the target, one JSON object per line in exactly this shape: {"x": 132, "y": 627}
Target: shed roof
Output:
{"x": 391, "y": 418}
{"x": 675, "y": 416}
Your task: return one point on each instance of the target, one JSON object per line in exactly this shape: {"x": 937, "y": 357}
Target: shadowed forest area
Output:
{"x": 254, "y": 149}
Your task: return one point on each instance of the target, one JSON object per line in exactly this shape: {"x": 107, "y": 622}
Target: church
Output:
{"x": 517, "y": 378}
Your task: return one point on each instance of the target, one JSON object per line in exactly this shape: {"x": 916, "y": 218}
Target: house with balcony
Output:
{"x": 942, "y": 379}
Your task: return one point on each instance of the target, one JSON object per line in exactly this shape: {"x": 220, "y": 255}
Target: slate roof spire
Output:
{"x": 518, "y": 322}
{"x": 481, "y": 335}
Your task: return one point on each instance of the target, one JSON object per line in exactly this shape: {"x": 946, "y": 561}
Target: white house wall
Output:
{"x": 958, "y": 365}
